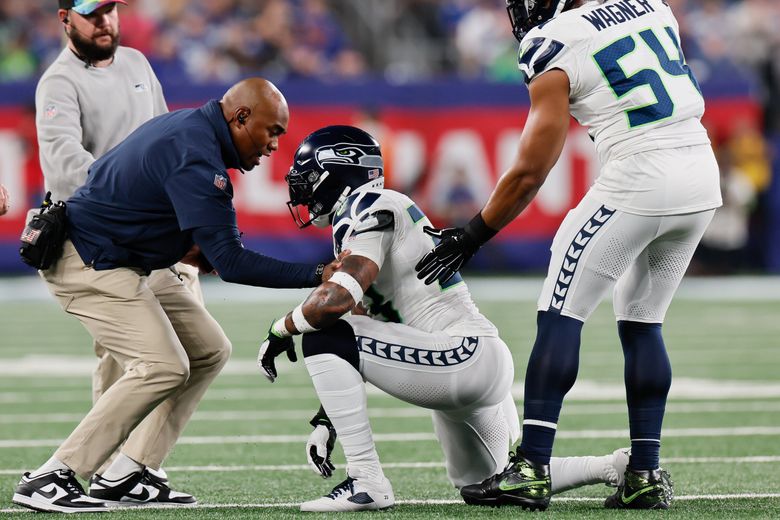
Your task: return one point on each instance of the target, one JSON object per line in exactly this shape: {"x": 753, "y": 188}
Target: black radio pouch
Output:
{"x": 44, "y": 236}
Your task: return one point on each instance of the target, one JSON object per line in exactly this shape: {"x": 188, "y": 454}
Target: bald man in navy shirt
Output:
{"x": 161, "y": 195}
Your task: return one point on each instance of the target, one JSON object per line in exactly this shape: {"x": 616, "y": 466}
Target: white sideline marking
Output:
{"x": 406, "y": 412}
{"x": 426, "y": 436}
{"x": 422, "y": 465}
{"x": 747, "y": 288}
{"x": 584, "y": 389}
{"x": 428, "y": 502}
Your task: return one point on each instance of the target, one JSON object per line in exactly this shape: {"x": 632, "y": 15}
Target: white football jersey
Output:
{"x": 386, "y": 227}
{"x": 631, "y": 88}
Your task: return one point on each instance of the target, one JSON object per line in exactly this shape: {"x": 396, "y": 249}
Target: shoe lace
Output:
{"x": 71, "y": 484}
{"x": 150, "y": 479}
{"x": 342, "y": 488}
{"x": 514, "y": 458}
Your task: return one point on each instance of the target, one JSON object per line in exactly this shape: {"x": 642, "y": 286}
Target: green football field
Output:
{"x": 243, "y": 453}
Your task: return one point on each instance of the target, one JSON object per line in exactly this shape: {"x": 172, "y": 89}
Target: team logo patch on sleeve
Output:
{"x": 220, "y": 181}
{"x": 50, "y": 111}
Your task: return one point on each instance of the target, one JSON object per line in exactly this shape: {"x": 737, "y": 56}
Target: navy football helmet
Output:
{"x": 329, "y": 165}
{"x": 527, "y": 14}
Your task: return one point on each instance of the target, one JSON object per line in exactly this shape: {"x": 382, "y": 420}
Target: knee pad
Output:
{"x": 338, "y": 339}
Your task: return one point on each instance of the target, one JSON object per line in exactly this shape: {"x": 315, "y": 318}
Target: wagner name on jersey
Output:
{"x": 631, "y": 88}
{"x": 386, "y": 227}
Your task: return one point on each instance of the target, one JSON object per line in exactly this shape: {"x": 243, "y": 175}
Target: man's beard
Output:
{"x": 92, "y": 52}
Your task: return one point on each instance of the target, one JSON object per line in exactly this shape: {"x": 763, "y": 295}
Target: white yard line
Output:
{"x": 408, "y": 412}
{"x": 583, "y": 390}
{"x": 511, "y": 288}
{"x": 746, "y": 431}
{"x": 428, "y": 502}
{"x": 420, "y": 465}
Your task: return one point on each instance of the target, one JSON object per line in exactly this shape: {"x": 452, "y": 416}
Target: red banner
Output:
{"x": 448, "y": 160}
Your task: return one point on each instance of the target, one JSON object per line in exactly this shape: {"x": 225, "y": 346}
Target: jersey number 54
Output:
{"x": 607, "y": 59}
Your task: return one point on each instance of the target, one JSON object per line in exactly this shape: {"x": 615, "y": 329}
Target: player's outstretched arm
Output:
{"x": 540, "y": 146}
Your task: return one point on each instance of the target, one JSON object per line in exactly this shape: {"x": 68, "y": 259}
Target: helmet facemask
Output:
{"x": 329, "y": 166}
{"x": 524, "y": 15}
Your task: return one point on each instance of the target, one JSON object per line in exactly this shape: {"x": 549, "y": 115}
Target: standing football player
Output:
{"x": 618, "y": 68}
{"x": 427, "y": 345}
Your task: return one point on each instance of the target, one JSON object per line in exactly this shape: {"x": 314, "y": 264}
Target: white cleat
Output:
{"x": 354, "y": 495}
{"x": 615, "y": 470}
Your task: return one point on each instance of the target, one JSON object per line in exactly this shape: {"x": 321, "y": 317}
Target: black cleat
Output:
{"x": 56, "y": 492}
{"x": 522, "y": 483}
{"x": 137, "y": 488}
{"x": 643, "y": 489}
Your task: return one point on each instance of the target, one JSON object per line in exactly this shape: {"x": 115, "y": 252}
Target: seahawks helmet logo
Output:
{"x": 349, "y": 153}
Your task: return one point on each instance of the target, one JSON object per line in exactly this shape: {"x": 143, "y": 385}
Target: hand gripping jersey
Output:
{"x": 386, "y": 227}
{"x": 631, "y": 88}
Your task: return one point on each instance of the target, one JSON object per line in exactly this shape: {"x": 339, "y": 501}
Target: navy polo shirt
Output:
{"x": 144, "y": 199}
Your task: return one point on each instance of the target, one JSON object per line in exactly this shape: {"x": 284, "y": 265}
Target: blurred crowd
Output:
{"x": 401, "y": 41}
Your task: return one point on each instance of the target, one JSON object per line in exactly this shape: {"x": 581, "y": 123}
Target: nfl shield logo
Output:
{"x": 220, "y": 181}
{"x": 50, "y": 111}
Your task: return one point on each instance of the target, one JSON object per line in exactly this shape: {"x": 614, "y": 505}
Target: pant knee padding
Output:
{"x": 338, "y": 339}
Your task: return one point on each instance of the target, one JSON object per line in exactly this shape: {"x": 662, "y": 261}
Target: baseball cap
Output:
{"x": 86, "y": 7}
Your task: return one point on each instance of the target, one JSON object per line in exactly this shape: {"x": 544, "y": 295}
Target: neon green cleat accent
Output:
{"x": 643, "y": 489}
{"x": 522, "y": 483}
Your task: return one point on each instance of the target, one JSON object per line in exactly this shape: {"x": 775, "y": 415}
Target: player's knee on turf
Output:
{"x": 338, "y": 339}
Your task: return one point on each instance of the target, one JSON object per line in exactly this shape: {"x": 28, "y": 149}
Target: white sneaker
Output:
{"x": 161, "y": 474}
{"x": 137, "y": 488}
{"x": 615, "y": 470}
{"x": 354, "y": 495}
{"x": 55, "y": 492}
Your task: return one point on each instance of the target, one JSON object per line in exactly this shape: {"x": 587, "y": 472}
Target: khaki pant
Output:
{"x": 108, "y": 371}
{"x": 167, "y": 345}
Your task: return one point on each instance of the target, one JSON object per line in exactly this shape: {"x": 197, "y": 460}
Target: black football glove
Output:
{"x": 455, "y": 247}
{"x": 320, "y": 444}
{"x": 318, "y": 449}
{"x": 441, "y": 263}
{"x": 270, "y": 349}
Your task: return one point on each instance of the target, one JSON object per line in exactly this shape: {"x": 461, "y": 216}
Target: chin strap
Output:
{"x": 322, "y": 221}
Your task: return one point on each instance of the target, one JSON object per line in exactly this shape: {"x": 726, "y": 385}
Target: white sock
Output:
{"x": 159, "y": 473}
{"x": 50, "y": 465}
{"x": 121, "y": 467}
{"x": 571, "y": 472}
{"x": 343, "y": 395}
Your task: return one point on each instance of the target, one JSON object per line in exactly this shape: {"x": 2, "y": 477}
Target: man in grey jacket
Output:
{"x": 92, "y": 97}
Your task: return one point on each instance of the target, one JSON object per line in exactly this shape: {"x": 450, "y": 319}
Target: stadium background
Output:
{"x": 436, "y": 82}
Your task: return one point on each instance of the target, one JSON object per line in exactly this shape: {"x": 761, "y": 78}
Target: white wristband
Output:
{"x": 280, "y": 328}
{"x": 300, "y": 322}
{"x": 348, "y": 282}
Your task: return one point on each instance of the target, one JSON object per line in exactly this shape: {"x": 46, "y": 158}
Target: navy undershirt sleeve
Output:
{"x": 222, "y": 246}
